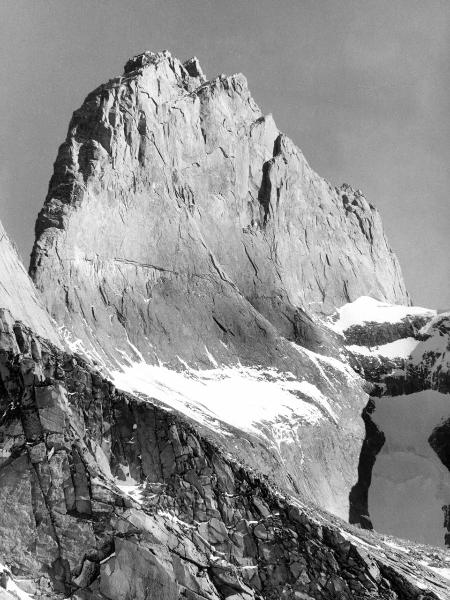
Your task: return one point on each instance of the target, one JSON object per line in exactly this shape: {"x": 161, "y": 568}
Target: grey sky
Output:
{"x": 362, "y": 86}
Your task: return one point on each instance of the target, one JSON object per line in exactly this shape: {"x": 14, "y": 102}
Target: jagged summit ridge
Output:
{"x": 140, "y": 61}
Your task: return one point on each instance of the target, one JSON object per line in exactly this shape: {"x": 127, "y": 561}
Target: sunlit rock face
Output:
{"x": 183, "y": 231}
{"x": 179, "y": 217}
{"x": 243, "y": 354}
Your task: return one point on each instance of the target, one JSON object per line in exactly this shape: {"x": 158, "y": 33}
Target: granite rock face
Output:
{"x": 198, "y": 408}
{"x": 194, "y": 524}
{"x": 179, "y": 216}
{"x": 182, "y": 228}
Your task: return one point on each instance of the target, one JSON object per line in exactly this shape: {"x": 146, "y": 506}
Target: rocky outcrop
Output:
{"x": 439, "y": 440}
{"x": 377, "y": 334}
{"x": 429, "y": 364}
{"x": 201, "y": 526}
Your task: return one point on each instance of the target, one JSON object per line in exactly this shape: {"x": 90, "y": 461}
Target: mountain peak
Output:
{"x": 228, "y": 313}
{"x": 164, "y": 152}
{"x": 144, "y": 59}
{"x": 190, "y": 68}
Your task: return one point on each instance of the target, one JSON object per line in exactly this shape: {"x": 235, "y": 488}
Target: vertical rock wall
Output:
{"x": 179, "y": 217}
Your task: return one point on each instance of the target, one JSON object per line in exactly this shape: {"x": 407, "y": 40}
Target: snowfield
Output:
{"x": 366, "y": 310}
{"x": 257, "y": 400}
{"x": 245, "y": 398}
{"x": 402, "y": 348}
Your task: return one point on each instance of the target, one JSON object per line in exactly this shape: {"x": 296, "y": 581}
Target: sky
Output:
{"x": 361, "y": 86}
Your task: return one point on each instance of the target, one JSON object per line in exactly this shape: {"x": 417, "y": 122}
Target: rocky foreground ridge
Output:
{"x": 198, "y": 525}
{"x": 212, "y": 392}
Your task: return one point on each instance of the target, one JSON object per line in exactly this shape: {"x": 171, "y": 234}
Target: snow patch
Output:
{"x": 442, "y": 571}
{"x": 12, "y": 587}
{"x": 397, "y": 546}
{"x": 249, "y": 399}
{"x": 312, "y": 391}
{"x": 366, "y": 309}
{"x": 211, "y": 358}
{"x": 77, "y": 346}
{"x": 133, "y": 491}
{"x": 326, "y": 363}
{"x": 399, "y": 349}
